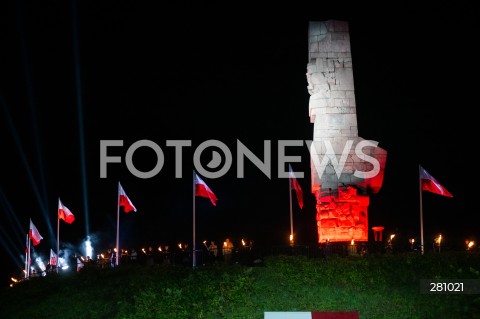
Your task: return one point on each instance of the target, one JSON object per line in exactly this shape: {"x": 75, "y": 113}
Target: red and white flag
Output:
{"x": 430, "y": 184}
{"x": 296, "y": 186}
{"x": 124, "y": 200}
{"x": 311, "y": 315}
{"x": 53, "y": 258}
{"x": 34, "y": 234}
{"x": 201, "y": 189}
{"x": 65, "y": 213}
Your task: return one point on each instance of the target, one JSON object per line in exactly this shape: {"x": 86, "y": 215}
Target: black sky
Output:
{"x": 225, "y": 72}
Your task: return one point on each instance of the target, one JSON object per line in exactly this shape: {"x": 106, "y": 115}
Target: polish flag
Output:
{"x": 201, "y": 189}
{"x": 34, "y": 234}
{"x": 296, "y": 186}
{"x": 124, "y": 200}
{"x": 65, "y": 213}
{"x": 53, "y": 258}
{"x": 430, "y": 184}
{"x": 311, "y": 315}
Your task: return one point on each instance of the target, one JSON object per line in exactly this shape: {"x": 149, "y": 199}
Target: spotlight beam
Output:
{"x": 78, "y": 90}
{"x": 26, "y": 165}
{"x": 12, "y": 216}
{"x": 33, "y": 112}
{"x": 7, "y": 244}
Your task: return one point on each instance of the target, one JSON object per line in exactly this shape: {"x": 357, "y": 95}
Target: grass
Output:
{"x": 383, "y": 286}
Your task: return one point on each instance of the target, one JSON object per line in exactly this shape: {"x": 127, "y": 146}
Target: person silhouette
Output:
{"x": 227, "y": 251}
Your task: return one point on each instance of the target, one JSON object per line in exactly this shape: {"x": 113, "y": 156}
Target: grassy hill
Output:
{"x": 382, "y": 286}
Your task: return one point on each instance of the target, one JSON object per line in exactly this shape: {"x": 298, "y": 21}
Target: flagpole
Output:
{"x": 58, "y": 240}
{"x": 291, "y": 213}
{"x": 194, "y": 259}
{"x": 118, "y": 224}
{"x": 26, "y": 257}
{"x": 421, "y": 210}
{"x": 29, "y": 258}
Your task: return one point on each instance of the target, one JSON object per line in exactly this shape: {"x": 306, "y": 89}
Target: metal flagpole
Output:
{"x": 194, "y": 259}
{"x": 291, "y": 213}
{"x": 58, "y": 240}
{"x": 29, "y": 259}
{"x": 26, "y": 257}
{"x": 118, "y": 224}
{"x": 421, "y": 210}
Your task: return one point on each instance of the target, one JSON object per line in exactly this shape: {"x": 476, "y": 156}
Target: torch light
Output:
{"x": 143, "y": 249}
{"x": 205, "y": 244}
{"x": 470, "y": 244}
{"x": 243, "y": 242}
{"x": 160, "y": 248}
{"x": 438, "y": 241}
{"x": 352, "y": 242}
{"x": 411, "y": 241}
{"x": 180, "y": 245}
{"x": 291, "y": 239}
{"x": 14, "y": 281}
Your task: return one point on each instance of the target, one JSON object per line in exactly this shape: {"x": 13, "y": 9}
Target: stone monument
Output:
{"x": 345, "y": 167}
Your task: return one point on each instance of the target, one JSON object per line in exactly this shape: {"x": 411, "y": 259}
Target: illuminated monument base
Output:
{"x": 344, "y": 217}
{"x": 340, "y": 159}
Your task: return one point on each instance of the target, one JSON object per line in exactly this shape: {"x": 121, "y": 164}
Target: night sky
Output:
{"x": 75, "y": 73}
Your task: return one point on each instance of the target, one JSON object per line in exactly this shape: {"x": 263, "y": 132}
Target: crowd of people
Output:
{"x": 181, "y": 254}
